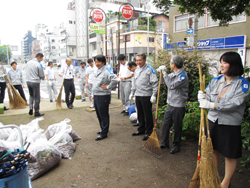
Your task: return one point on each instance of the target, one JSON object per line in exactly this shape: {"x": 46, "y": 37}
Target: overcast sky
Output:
{"x": 19, "y": 16}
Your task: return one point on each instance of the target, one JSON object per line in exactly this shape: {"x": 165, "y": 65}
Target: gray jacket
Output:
{"x": 105, "y": 76}
{"x": 230, "y": 108}
{"x": 34, "y": 71}
{"x": 177, "y": 84}
{"x": 2, "y": 78}
{"x": 145, "y": 82}
{"x": 82, "y": 73}
{"x": 15, "y": 76}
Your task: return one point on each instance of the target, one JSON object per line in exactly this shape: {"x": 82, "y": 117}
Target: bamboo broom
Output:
{"x": 18, "y": 102}
{"x": 209, "y": 176}
{"x": 11, "y": 100}
{"x": 59, "y": 97}
{"x": 195, "y": 181}
{"x": 152, "y": 145}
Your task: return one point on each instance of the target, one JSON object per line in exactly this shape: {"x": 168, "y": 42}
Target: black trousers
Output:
{"x": 2, "y": 91}
{"x": 20, "y": 90}
{"x": 172, "y": 115}
{"x": 34, "y": 91}
{"x": 69, "y": 87}
{"x": 101, "y": 104}
{"x": 144, "y": 112}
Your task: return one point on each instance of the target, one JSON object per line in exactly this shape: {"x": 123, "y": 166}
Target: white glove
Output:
{"x": 50, "y": 83}
{"x": 163, "y": 69}
{"x": 4, "y": 75}
{"x": 64, "y": 76}
{"x": 131, "y": 97}
{"x": 152, "y": 99}
{"x": 204, "y": 103}
{"x": 201, "y": 95}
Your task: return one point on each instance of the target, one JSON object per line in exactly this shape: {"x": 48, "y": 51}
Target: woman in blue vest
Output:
{"x": 225, "y": 97}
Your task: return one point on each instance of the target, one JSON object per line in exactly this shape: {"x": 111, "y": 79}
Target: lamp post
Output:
{"x": 148, "y": 27}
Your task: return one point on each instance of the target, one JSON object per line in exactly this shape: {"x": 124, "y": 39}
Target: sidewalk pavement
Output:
{"x": 46, "y": 105}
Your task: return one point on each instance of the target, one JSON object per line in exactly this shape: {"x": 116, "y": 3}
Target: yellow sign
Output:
{"x": 138, "y": 39}
{"x": 96, "y": 28}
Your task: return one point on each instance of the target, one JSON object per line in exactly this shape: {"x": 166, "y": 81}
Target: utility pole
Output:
{"x": 195, "y": 32}
{"x": 8, "y": 54}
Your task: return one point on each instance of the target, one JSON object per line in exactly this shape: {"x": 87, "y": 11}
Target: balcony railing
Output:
{"x": 138, "y": 28}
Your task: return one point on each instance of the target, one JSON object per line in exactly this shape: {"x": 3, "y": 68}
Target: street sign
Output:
{"x": 2, "y": 50}
{"x": 98, "y": 29}
{"x": 190, "y": 31}
{"x": 127, "y": 11}
{"x": 97, "y": 15}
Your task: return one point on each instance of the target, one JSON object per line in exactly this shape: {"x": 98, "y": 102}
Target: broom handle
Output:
{"x": 157, "y": 103}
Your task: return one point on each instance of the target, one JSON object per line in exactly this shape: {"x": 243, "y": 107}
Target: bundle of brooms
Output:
{"x": 152, "y": 145}
{"x": 206, "y": 174}
{"x": 15, "y": 100}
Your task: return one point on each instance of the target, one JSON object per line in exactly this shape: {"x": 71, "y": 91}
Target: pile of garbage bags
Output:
{"x": 46, "y": 148}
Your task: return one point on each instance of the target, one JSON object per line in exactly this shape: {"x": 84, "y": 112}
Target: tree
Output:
{"x": 222, "y": 10}
{"x": 3, "y": 54}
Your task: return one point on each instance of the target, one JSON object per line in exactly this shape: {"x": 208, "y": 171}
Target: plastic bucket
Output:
{"x": 19, "y": 180}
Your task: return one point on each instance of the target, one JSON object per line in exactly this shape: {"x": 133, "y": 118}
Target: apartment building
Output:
{"x": 212, "y": 39}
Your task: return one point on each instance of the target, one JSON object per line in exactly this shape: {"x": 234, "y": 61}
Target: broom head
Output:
{"x": 195, "y": 182}
{"x": 152, "y": 145}
{"x": 11, "y": 100}
{"x": 58, "y": 101}
{"x": 209, "y": 176}
{"x": 18, "y": 101}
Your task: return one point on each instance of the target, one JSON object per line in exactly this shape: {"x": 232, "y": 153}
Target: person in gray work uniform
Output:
{"x": 16, "y": 78}
{"x": 2, "y": 84}
{"x": 125, "y": 76}
{"x": 225, "y": 97}
{"x": 177, "y": 83}
{"x": 104, "y": 81}
{"x": 80, "y": 73}
{"x": 51, "y": 81}
{"x": 90, "y": 73}
{"x": 67, "y": 72}
{"x": 34, "y": 74}
{"x": 145, "y": 89}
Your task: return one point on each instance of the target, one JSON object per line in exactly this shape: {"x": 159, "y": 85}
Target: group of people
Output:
{"x": 225, "y": 96}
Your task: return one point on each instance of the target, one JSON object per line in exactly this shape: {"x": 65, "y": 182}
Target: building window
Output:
{"x": 53, "y": 47}
{"x": 74, "y": 22}
{"x": 181, "y": 22}
{"x": 94, "y": 46}
{"x": 113, "y": 29}
{"x": 240, "y": 18}
{"x": 53, "y": 40}
{"x": 151, "y": 39}
{"x": 162, "y": 26}
{"x": 121, "y": 41}
{"x": 72, "y": 50}
{"x": 70, "y": 22}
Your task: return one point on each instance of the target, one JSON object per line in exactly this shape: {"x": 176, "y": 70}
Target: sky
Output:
{"x": 19, "y": 16}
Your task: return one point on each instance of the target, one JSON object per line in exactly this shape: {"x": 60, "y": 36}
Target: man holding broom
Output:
{"x": 177, "y": 83}
{"x": 16, "y": 78}
{"x": 34, "y": 74}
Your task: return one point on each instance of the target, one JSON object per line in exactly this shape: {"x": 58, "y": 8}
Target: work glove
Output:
{"x": 152, "y": 99}
{"x": 162, "y": 69}
{"x": 131, "y": 97}
{"x": 50, "y": 83}
{"x": 201, "y": 95}
{"x": 204, "y": 103}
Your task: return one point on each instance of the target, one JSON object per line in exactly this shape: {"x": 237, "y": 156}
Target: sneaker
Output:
{"x": 51, "y": 100}
{"x": 83, "y": 100}
{"x": 91, "y": 106}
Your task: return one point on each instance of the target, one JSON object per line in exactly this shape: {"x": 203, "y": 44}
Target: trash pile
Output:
{"x": 46, "y": 148}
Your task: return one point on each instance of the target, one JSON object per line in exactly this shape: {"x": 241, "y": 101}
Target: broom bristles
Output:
{"x": 11, "y": 100}
{"x": 195, "y": 181}
{"x": 152, "y": 145}
{"x": 209, "y": 176}
{"x": 58, "y": 100}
